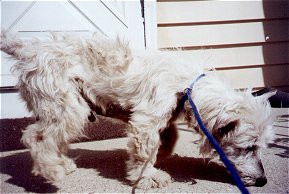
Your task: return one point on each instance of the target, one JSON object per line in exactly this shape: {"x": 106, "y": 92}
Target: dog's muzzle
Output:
{"x": 257, "y": 182}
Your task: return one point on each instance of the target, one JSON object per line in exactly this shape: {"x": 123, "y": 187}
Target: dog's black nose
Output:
{"x": 261, "y": 181}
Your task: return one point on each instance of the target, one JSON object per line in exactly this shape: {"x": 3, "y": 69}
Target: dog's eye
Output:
{"x": 251, "y": 148}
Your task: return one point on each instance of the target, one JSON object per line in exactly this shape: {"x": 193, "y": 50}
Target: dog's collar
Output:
{"x": 197, "y": 79}
{"x": 185, "y": 96}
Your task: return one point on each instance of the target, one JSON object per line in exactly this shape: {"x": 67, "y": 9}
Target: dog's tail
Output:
{"x": 11, "y": 45}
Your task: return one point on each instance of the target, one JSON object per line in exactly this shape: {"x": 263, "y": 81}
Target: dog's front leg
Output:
{"x": 143, "y": 148}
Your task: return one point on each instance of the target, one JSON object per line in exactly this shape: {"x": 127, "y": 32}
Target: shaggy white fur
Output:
{"x": 66, "y": 80}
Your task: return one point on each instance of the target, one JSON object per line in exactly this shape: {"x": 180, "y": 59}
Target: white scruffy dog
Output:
{"x": 66, "y": 80}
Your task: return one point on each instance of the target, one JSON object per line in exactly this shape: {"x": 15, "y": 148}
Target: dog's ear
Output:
{"x": 221, "y": 131}
{"x": 266, "y": 96}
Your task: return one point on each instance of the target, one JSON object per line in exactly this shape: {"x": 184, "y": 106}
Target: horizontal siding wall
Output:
{"x": 246, "y": 41}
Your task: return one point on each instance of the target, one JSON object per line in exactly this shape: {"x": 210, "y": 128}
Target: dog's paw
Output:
{"x": 158, "y": 179}
{"x": 35, "y": 170}
{"x": 69, "y": 165}
{"x": 54, "y": 173}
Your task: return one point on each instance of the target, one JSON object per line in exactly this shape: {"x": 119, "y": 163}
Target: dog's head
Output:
{"x": 242, "y": 125}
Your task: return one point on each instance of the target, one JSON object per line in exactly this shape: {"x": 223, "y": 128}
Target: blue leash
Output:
{"x": 213, "y": 141}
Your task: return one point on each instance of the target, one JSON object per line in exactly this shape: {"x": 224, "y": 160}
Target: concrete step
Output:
{"x": 101, "y": 168}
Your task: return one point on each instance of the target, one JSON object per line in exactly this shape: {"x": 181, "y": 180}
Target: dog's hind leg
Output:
{"x": 49, "y": 137}
{"x": 48, "y": 159}
{"x": 169, "y": 138}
